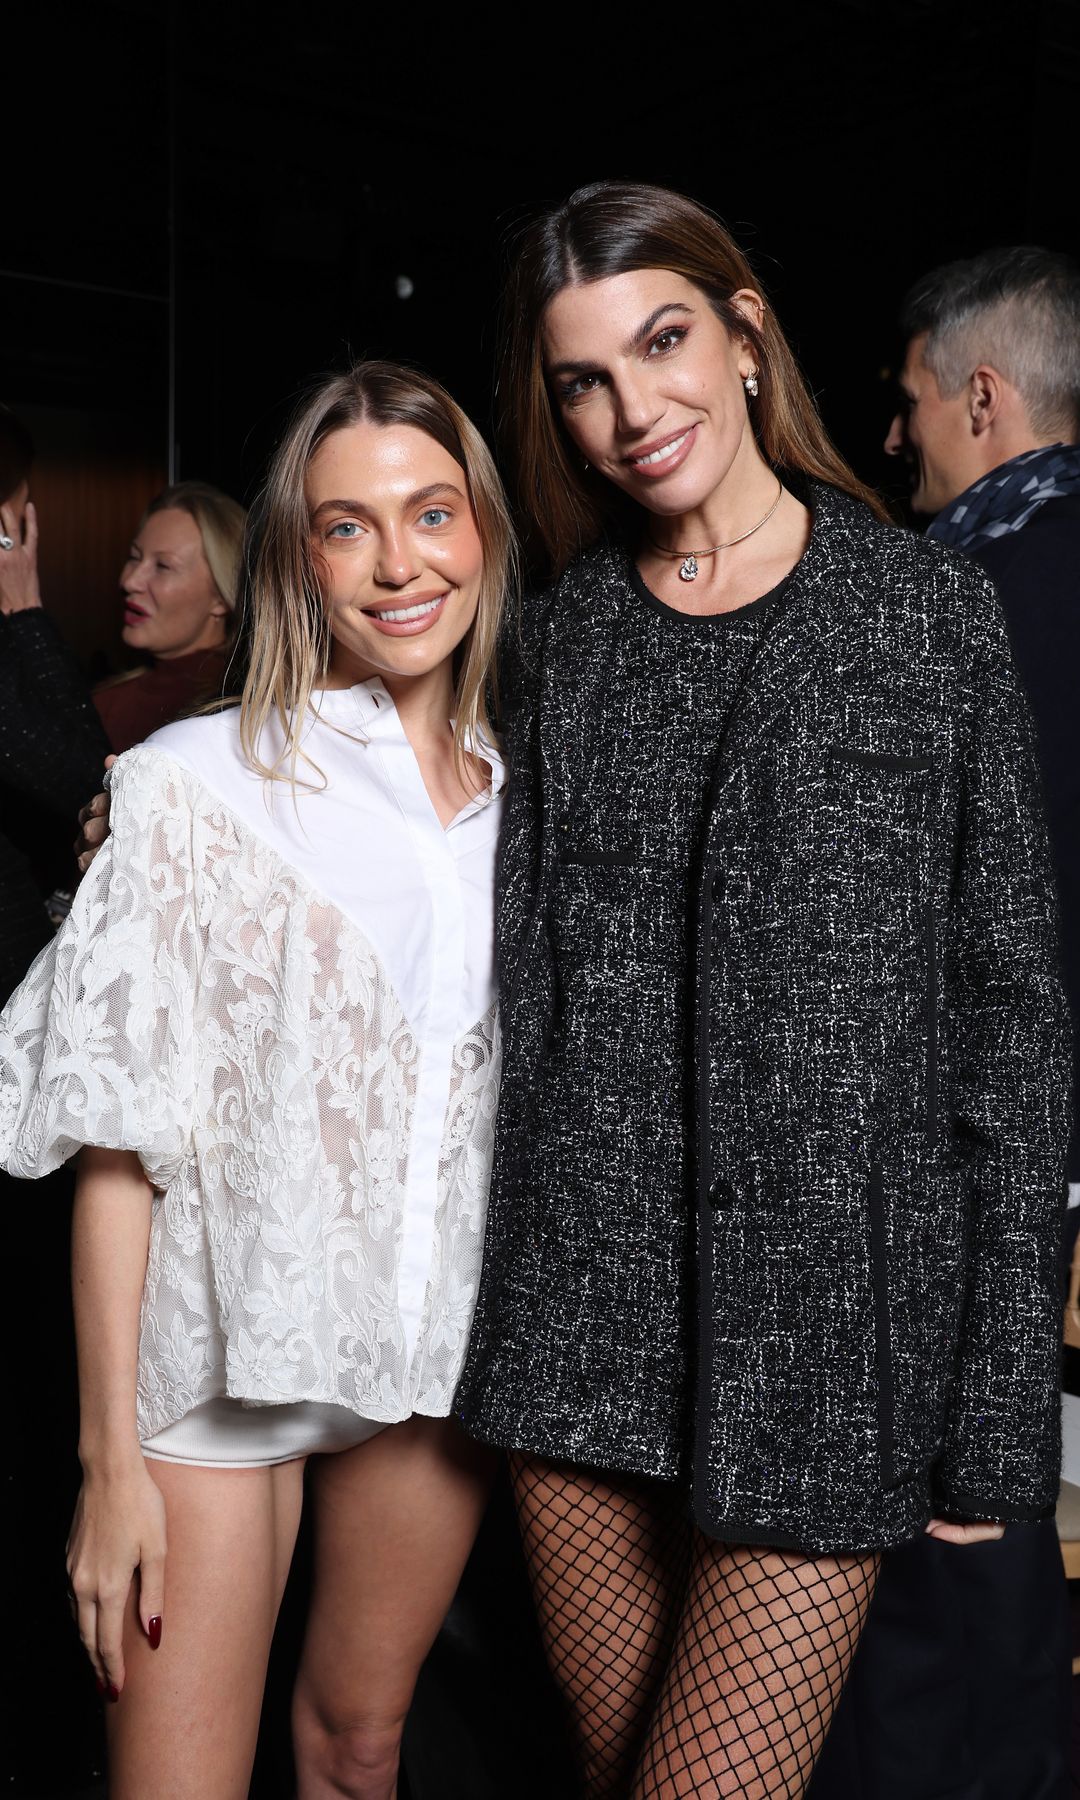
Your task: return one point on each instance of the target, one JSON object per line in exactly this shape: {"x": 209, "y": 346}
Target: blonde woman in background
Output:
{"x": 180, "y": 583}
{"x": 271, "y": 1020}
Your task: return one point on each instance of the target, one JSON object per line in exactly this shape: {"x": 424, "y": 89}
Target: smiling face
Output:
{"x": 932, "y": 434}
{"x": 171, "y": 604}
{"x": 397, "y": 549}
{"x": 649, "y": 385}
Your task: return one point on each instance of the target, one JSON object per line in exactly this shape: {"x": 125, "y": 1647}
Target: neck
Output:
{"x": 213, "y": 638}
{"x": 424, "y": 703}
{"x": 1005, "y": 439}
{"x": 739, "y": 500}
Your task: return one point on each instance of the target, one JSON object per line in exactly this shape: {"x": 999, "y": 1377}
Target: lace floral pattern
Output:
{"x": 207, "y": 1009}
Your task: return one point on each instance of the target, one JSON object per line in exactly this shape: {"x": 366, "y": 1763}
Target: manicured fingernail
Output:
{"x": 111, "y": 1693}
{"x": 153, "y": 1631}
{"x": 102, "y": 1686}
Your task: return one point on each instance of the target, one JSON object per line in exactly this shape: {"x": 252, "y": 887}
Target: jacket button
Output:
{"x": 722, "y": 1195}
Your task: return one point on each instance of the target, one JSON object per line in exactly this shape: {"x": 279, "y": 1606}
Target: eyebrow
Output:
{"x": 139, "y": 551}
{"x": 431, "y": 492}
{"x": 632, "y": 343}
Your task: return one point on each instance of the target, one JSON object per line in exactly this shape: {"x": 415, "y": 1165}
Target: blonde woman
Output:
{"x": 180, "y": 582}
{"x": 271, "y": 1020}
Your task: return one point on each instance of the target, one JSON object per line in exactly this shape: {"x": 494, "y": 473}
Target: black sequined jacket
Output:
{"x": 880, "y": 1056}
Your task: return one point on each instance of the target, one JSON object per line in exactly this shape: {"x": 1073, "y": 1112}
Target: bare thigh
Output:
{"x": 762, "y": 1650}
{"x": 186, "y": 1723}
{"x": 394, "y": 1520}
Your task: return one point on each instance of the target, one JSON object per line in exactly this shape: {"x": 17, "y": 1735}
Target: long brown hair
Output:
{"x": 289, "y": 633}
{"x": 610, "y": 228}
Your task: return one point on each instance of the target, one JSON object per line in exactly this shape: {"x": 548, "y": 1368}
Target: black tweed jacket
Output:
{"x": 880, "y": 1055}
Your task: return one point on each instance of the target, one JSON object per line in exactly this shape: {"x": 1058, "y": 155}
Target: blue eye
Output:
{"x": 434, "y": 515}
{"x": 345, "y": 528}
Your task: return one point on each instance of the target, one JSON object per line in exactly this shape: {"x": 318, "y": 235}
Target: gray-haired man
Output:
{"x": 960, "y": 1687}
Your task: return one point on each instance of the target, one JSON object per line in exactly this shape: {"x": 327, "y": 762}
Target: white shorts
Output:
{"x": 226, "y": 1434}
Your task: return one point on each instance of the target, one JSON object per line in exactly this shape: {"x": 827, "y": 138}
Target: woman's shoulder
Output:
{"x": 903, "y": 556}
{"x": 183, "y": 758}
{"x": 208, "y": 746}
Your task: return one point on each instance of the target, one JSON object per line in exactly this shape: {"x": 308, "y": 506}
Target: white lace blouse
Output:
{"x": 287, "y": 1009}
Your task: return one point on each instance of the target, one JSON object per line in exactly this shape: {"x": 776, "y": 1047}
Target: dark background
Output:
{"x": 204, "y": 204}
{"x": 208, "y": 203}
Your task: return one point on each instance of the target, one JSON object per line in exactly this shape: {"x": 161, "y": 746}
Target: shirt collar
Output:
{"x": 369, "y": 708}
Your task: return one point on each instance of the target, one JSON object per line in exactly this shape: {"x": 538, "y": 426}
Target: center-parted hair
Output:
{"x": 610, "y": 228}
{"x": 287, "y": 622}
{"x": 1016, "y": 308}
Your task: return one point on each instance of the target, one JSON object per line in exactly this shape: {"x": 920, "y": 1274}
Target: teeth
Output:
{"x": 662, "y": 455}
{"x": 411, "y": 612}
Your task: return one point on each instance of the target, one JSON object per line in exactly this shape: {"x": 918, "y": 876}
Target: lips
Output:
{"x": 133, "y": 613}
{"x": 400, "y": 615}
{"x": 409, "y": 619}
{"x": 663, "y": 454}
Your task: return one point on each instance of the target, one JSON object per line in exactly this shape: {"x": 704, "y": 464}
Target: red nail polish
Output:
{"x": 153, "y": 1631}
{"x": 111, "y": 1693}
{"x": 102, "y": 1686}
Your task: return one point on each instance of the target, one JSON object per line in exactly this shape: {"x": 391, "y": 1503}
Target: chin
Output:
{"x": 677, "y": 496}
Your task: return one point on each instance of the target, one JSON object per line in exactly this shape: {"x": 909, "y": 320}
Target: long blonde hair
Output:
{"x": 609, "y": 228}
{"x": 288, "y": 630}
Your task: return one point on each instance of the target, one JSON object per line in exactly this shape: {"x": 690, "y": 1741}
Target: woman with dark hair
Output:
{"x": 52, "y": 746}
{"x": 778, "y": 1177}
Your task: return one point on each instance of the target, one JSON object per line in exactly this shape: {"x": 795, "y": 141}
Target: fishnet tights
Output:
{"x": 690, "y": 1667}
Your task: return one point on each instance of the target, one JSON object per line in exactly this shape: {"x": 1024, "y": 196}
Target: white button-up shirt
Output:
{"x": 285, "y": 1003}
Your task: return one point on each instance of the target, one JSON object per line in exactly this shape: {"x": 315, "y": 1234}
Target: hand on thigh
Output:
{"x": 186, "y": 1724}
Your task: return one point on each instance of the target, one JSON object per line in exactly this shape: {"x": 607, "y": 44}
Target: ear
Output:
{"x": 752, "y": 308}
{"x": 220, "y": 609}
{"x": 986, "y": 391}
{"x": 749, "y": 302}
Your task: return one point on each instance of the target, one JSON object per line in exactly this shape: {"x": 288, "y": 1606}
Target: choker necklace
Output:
{"x": 689, "y": 570}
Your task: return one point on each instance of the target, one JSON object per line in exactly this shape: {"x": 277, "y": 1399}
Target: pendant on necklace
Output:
{"x": 688, "y": 568}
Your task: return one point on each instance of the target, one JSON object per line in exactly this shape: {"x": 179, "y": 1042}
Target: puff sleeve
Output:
{"x": 97, "y": 1044}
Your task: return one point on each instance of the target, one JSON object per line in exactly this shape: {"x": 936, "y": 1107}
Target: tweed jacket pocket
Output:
{"x": 885, "y": 760}
{"x": 918, "y": 1226}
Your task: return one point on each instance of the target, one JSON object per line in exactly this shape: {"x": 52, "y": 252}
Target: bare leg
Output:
{"x": 761, "y": 1654}
{"x": 395, "y": 1520}
{"x": 186, "y": 1723}
{"x": 607, "y": 1558}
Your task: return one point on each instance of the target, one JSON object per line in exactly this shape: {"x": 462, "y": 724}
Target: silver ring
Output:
{"x": 6, "y": 543}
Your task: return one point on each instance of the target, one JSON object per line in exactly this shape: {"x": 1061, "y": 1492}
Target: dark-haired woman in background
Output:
{"x": 52, "y": 745}
{"x": 778, "y": 1182}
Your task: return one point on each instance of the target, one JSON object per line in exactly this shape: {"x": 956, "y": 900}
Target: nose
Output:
{"x": 636, "y": 407}
{"x": 132, "y": 577}
{"x": 894, "y": 437}
{"x": 397, "y": 563}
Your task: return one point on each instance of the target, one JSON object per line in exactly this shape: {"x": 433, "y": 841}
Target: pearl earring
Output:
{"x": 750, "y": 383}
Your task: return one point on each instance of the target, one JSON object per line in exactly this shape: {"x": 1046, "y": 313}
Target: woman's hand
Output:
{"x": 955, "y": 1531}
{"x": 118, "y": 1529}
{"x": 19, "y": 589}
{"x": 94, "y": 819}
